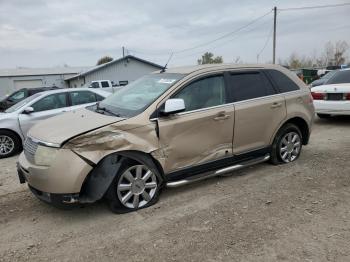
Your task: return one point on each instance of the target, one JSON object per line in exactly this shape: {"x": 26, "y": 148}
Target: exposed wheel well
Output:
{"x": 15, "y": 134}
{"x": 100, "y": 178}
{"x": 303, "y": 126}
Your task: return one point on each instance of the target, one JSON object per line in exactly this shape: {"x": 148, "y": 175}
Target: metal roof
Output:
{"x": 41, "y": 71}
{"x": 114, "y": 62}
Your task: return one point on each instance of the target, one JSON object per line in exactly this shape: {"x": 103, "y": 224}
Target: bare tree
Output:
{"x": 339, "y": 54}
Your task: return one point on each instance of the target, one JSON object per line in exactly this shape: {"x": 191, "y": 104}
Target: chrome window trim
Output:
{"x": 43, "y": 143}
{"x": 236, "y": 103}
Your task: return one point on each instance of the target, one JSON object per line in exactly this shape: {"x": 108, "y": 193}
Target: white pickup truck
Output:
{"x": 107, "y": 85}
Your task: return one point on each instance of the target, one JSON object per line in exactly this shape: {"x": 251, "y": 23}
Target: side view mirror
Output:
{"x": 173, "y": 106}
{"x": 28, "y": 110}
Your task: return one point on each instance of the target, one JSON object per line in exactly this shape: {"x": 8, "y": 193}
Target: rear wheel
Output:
{"x": 324, "y": 115}
{"x": 136, "y": 186}
{"x": 10, "y": 144}
{"x": 287, "y": 145}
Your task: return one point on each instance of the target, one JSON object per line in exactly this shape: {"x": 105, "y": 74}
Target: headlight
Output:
{"x": 44, "y": 155}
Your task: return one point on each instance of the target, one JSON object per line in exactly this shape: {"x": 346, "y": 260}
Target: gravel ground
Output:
{"x": 294, "y": 212}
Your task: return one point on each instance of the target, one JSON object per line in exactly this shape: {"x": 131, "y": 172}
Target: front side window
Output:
{"x": 50, "y": 102}
{"x": 203, "y": 93}
{"x": 82, "y": 97}
{"x": 283, "y": 82}
{"x": 250, "y": 85}
{"x": 137, "y": 96}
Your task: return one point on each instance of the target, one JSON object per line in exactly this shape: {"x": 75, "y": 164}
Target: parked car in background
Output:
{"x": 18, "y": 119}
{"x": 333, "y": 98}
{"x": 323, "y": 80}
{"x": 107, "y": 85}
{"x": 168, "y": 128}
{"x": 20, "y": 95}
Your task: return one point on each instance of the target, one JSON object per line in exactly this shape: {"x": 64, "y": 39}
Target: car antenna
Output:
{"x": 164, "y": 68}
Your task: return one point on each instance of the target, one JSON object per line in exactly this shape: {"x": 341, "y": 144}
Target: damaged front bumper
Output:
{"x": 58, "y": 184}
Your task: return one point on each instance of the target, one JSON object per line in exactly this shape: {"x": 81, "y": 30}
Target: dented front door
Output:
{"x": 201, "y": 134}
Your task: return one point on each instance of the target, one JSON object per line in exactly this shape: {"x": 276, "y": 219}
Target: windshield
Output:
{"x": 22, "y": 103}
{"x": 340, "y": 77}
{"x": 138, "y": 95}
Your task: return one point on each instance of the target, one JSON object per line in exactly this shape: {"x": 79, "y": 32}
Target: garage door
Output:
{"x": 27, "y": 83}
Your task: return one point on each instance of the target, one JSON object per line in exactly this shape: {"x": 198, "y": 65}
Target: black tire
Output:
{"x": 277, "y": 145}
{"x": 11, "y": 139}
{"x": 324, "y": 116}
{"x": 113, "y": 194}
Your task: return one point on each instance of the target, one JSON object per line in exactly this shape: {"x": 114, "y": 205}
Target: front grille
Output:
{"x": 30, "y": 148}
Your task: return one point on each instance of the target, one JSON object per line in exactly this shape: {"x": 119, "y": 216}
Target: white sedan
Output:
{"x": 333, "y": 98}
{"x": 18, "y": 119}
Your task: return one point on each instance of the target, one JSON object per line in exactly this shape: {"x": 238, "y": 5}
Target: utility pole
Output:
{"x": 123, "y": 51}
{"x": 274, "y": 34}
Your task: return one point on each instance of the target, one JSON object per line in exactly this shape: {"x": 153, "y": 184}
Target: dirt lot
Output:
{"x": 295, "y": 212}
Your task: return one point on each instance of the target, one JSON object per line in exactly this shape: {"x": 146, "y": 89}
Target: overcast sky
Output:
{"x": 47, "y": 33}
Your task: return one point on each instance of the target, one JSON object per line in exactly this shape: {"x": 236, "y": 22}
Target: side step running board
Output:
{"x": 218, "y": 172}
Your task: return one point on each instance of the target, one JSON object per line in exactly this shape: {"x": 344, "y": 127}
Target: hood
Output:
{"x": 63, "y": 127}
{"x": 334, "y": 88}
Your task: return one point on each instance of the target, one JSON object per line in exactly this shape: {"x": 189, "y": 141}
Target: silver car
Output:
{"x": 18, "y": 119}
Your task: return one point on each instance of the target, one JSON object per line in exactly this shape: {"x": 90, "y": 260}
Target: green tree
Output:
{"x": 104, "y": 59}
{"x": 208, "y": 58}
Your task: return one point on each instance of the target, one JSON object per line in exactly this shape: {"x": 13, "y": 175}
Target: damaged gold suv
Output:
{"x": 168, "y": 128}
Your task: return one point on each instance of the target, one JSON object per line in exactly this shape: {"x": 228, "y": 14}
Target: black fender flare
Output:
{"x": 103, "y": 174}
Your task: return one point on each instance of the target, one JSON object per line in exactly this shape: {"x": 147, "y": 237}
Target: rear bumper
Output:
{"x": 332, "y": 107}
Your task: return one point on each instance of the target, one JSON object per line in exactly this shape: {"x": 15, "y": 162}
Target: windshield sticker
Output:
{"x": 166, "y": 81}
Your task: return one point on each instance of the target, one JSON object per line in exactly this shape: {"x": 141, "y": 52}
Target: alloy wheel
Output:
{"x": 290, "y": 146}
{"x": 137, "y": 186}
{"x": 7, "y": 145}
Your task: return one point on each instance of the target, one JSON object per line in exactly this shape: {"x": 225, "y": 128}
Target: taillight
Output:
{"x": 347, "y": 96}
{"x": 318, "y": 96}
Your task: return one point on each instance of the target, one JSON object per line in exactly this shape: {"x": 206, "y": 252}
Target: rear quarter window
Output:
{"x": 282, "y": 82}
{"x": 250, "y": 85}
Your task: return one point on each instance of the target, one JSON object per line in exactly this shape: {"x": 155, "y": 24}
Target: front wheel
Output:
{"x": 287, "y": 145}
{"x": 136, "y": 186}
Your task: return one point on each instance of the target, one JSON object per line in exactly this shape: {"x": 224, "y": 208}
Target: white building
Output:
{"x": 120, "y": 71}
{"x": 14, "y": 79}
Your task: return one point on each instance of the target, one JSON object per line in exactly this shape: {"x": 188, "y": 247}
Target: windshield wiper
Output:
{"x": 98, "y": 108}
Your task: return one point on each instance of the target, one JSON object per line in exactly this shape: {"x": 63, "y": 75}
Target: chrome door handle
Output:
{"x": 276, "y": 105}
{"x": 221, "y": 116}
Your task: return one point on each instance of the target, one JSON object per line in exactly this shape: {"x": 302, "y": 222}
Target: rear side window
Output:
{"x": 340, "y": 77}
{"x": 249, "y": 85}
{"x": 283, "y": 82}
{"x": 99, "y": 98}
{"x": 82, "y": 97}
{"x": 104, "y": 84}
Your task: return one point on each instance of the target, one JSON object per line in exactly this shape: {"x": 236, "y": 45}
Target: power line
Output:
{"x": 225, "y": 35}
{"x": 312, "y": 7}
{"x": 208, "y": 49}
{"x": 214, "y": 40}
{"x": 266, "y": 42}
